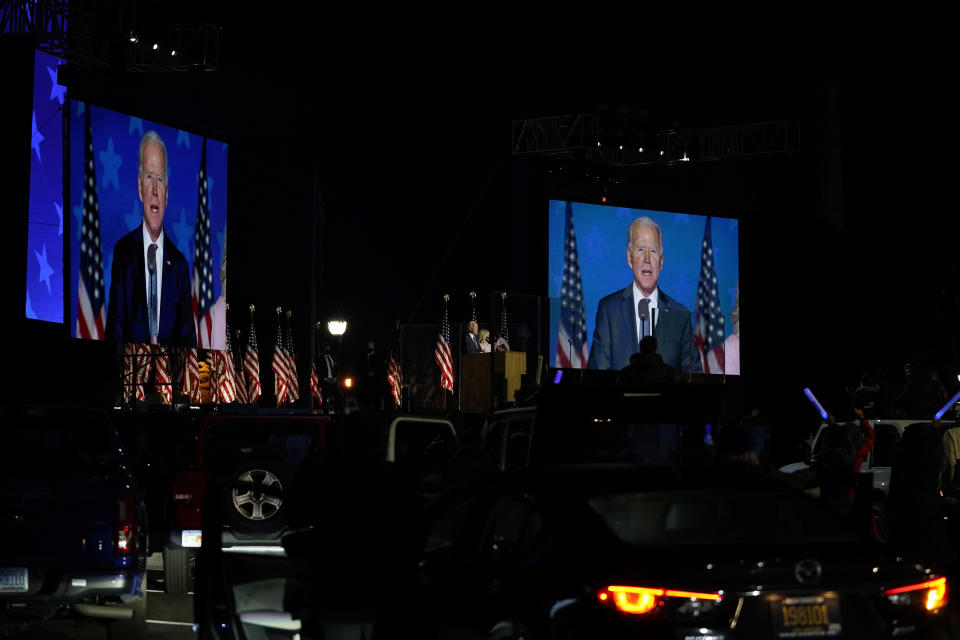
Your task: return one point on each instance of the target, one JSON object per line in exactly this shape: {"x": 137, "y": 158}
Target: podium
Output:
{"x": 484, "y": 373}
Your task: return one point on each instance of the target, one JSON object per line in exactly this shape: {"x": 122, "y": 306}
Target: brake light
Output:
{"x": 936, "y": 592}
{"x": 639, "y": 600}
{"x": 126, "y": 524}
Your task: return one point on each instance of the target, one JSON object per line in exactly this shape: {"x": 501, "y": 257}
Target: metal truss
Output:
{"x": 103, "y": 33}
{"x": 563, "y": 136}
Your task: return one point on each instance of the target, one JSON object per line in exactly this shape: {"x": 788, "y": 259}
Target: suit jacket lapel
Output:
{"x": 140, "y": 278}
{"x": 630, "y": 330}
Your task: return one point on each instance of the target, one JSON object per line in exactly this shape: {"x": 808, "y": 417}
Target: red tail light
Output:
{"x": 639, "y": 600}
{"x": 126, "y": 524}
{"x": 935, "y": 596}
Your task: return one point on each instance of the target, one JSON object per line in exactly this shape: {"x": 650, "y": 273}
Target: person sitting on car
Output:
{"x": 844, "y": 449}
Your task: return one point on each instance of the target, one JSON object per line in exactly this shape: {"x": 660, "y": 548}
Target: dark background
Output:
{"x": 390, "y": 153}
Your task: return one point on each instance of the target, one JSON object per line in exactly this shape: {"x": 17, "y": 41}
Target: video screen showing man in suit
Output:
{"x": 148, "y": 222}
{"x": 643, "y": 309}
{"x": 683, "y": 274}
{"x": 150, "y": 279}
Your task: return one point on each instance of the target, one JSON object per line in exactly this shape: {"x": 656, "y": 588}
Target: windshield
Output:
{"x": 712, "y": 517}
{"x": 57, "y": 442}
{"x": 227, "y": 442}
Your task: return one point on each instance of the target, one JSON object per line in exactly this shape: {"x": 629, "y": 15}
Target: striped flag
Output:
{"x": 224, "y": 371}
{"x": 251, "y": 363}
{"x": 503, "y": 342}
{"x": 129, "y": 371}
{"x": 442, "y": 355}
{"x": 572, "y": 349}
{"x": 191, "y": 376}
{"x": 201, "y": 289}
{"x": 163, "y": 383}
{"x": 315, "y": 389}
{"x": 291, "y": 355}
{"x": 234, "y": 348}
{"x": 281, "y": 376}
{"x": 395, "y": 378}
{"x": 91, "y": 312}
{"x": 708, "y": 329}
{"x": 142, "y": 366}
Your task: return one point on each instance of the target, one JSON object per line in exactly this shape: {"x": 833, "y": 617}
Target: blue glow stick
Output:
{"x": 559, "y": 375}
{"x": 816, "y": 403}
{"x": 949, "y": 404}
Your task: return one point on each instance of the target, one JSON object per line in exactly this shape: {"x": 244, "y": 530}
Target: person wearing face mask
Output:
{"x": 643, "y": 309}
{"x": 150, "y": 279}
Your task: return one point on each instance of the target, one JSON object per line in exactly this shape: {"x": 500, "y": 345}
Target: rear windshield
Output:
{"x": 63, "y": 443}
{"x": 715, "y": 517}
{"x": 594, "y": 440}
{"x": 226, "y": 443}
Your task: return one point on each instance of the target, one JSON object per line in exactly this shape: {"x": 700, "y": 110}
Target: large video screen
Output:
{"x": 676, "y": 277}
{"x": 148, "y": 243}
{"x": 45, "y": 216}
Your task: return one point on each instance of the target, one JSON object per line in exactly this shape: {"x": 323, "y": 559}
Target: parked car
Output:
{"x": 621, "y": 551}
{"x": 72, "y": 526}
{"x": 255, "y": 451}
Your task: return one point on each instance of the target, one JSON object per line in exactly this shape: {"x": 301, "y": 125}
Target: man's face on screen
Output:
{"x": 645, "y": 257}
{"x": 152, "y": 186}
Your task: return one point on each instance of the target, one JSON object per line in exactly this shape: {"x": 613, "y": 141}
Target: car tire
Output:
{"x": 250, "y": 512}
{"x": 178, "y": 566}
{"x": 136, "y": 626}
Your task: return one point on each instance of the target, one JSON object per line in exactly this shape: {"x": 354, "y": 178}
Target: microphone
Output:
{"x": 152, "y": 258}
{"x": 643, "y": 310}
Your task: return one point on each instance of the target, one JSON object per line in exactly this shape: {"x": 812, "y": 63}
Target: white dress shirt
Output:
{"x": 637, "y": 297}
{"x": 146, "y": 270}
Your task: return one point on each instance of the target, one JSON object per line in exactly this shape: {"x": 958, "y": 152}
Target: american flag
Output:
{"x": 442, "y": 355}
{"x": 503, "y": 342}
{"x": 163, "y": 382}
{"x": 129, "y": 371}
{"x": 395, "y": 378}
{"x": 225, "y": 371}
{"x": 191, "y": 376}
{"x": 708, "y": 330}
{"x": 91, "y": 312}
{"x": 291, "y": 354}
{"x": 315, "y": 389}
{"x": 213, "y": 377}
{"x": 234, "y": 349}
{"x": 201, "y": 290}
{"x": 281, "y": 375}
{"x": 572, "y": 348}
{"x": 142, "y": 366}
{"x": 251, "y": 363}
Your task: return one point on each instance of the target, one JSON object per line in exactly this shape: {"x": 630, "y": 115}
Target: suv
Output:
{"x": 255, "y": 450}
{"x": 72, "y": 527}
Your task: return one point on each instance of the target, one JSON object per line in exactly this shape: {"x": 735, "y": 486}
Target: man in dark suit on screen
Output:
{"x": 642, "y": 309}
{"x": 150, "y": 279}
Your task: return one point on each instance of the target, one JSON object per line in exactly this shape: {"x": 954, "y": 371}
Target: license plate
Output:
{"x": 807, "y": 617}
{"x": 190, "y": 538}
{"x": 14, "y": 580}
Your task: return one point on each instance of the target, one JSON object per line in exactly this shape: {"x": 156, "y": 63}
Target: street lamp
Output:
{"x": 337, "y": 327}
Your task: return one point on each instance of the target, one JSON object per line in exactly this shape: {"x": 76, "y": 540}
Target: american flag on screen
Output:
{"x": 442, "y": 355}
{"x": 191, "y": 376}
{"x": 91, "y": 312}
{"x": 201, "y": 289}
{"x": 572, "y": 348}
{"x": 251, "y": 362}
{"x": 281, "y": 375}
{"x": 395, "y": 378}
{"x": 708, "y": 329}
{"x": 163, "y": 382}
{"x": 291, "y": 354}
{"x": 503, "y": 342}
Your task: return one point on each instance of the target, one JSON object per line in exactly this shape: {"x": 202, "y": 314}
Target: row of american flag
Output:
{"x": 234, "y": 376}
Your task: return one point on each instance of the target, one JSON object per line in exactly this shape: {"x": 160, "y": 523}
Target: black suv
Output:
{"x": 72, "y": 526}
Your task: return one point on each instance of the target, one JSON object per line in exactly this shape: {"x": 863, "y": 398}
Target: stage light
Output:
{"x": 173, "y": 52}
{"x": 640, "y": 149}
{"x": 598, "y": 143}
{"x": 155, "y": 46}
{"x": 661, "y": 151}
{"x": 621, "y": 147}
{"x": 133, "y": 38}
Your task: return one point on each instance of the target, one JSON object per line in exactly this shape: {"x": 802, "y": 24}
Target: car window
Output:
{"x": 710, "y": 517}
{"x": 606, "y": 439}
{"x": 227, "y": 442}
{"x": 424, "y": 446}
{"x": 77, "y": 443}
{"x": 518, "y": 443}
